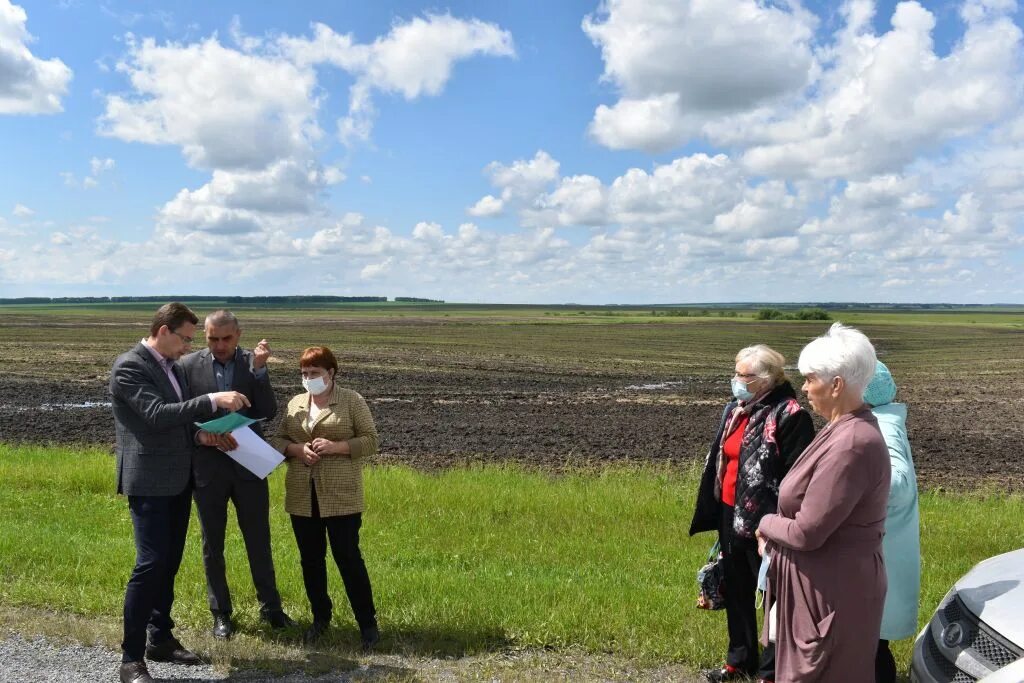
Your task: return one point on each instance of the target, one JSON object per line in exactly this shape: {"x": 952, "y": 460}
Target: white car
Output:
{"x": 977, "y": 632}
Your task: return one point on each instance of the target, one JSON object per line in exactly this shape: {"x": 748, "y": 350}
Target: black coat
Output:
{"x": 776, "y": 434}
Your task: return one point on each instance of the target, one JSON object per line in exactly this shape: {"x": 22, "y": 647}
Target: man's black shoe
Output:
{"x": 171, "y": 651}
{"x": 135, "y": 672}
{"x": 277, "y": 618}
{"x": 316, "y": 630}
{"x": 370, "y": 637}
{"x": 726, "y": 673}
{"x": 222, "y": 626}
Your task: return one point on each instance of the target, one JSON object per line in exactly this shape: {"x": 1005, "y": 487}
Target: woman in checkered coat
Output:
{"x": 326, "y": 433}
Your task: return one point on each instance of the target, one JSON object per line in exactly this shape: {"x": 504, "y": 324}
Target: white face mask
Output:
{"x": 314, "y": 385}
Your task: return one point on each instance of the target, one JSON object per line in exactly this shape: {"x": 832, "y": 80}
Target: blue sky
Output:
{"x": 631, "y": 151}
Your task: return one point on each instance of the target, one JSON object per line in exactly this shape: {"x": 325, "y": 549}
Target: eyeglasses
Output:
{"x": 747, "y": 376}
{"x": 188, "y": 340}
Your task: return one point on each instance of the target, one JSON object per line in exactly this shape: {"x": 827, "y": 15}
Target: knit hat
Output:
{"x": 881, "y": 389}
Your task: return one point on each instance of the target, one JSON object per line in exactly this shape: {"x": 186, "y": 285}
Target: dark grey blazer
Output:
{"x": 210, "y": 463}
{"x": 154, "y": 429}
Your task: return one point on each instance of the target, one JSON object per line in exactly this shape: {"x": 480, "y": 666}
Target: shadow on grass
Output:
{"x": 419, "y": 640}
{"x": 339, "y": 651}
{"x": 442, "y": 642}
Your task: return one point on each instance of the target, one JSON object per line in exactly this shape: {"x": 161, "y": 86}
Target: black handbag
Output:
{"x": 711, "y": 581}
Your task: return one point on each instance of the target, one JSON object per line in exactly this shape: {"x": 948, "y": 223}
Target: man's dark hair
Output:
{"x": 221, "y": 318}
{"x": 174, "y": 315}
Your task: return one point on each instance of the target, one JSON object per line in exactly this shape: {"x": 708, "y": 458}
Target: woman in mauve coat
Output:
{"x": 827, "y": 574}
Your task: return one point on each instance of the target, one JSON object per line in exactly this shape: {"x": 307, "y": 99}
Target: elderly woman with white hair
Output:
{"x": 762, "y": 432}
{"x": 827, "y": 574}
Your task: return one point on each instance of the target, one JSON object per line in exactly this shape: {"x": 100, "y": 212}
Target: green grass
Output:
{"x": 465, "y": 561}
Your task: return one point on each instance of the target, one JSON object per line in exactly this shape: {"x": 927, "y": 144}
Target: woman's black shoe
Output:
{"x": 316, "y": 630}
{"x": 726, "y": 673}
{"x": 370, "y": 637}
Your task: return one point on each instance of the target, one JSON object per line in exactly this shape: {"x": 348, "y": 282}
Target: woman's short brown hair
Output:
{"x": 319, "y": 356}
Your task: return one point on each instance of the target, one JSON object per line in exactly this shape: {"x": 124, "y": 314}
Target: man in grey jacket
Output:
{"x": 224, "y": 366}
{"x": 154, "y": 412}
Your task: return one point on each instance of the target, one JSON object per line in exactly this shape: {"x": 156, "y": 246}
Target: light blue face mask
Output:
{"x": 739, "y": 389}
{"x": 762, "y": 578}
{"x": 762, "y": 573}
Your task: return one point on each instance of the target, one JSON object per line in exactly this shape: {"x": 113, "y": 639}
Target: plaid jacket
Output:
{"x": 338, "y": 478}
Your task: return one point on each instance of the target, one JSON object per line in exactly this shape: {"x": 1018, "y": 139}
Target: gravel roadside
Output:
{"x": 26, "y": 661}
{"x": 32, "y": 660}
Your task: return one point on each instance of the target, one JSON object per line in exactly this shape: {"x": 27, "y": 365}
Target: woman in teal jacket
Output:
{"x": 901, "y": 546}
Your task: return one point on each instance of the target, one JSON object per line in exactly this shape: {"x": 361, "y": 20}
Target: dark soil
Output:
{"x": 551, "y": 420}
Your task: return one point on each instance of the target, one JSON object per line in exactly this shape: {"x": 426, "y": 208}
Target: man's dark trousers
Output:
{"x": 251, "y": 499}
{"x": 155, "y": 442}
{"x": 219, "y": 479}
{"x": 160, "y": 524}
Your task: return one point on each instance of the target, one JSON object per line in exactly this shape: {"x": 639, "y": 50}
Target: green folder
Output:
{"x": 228, "y": 423}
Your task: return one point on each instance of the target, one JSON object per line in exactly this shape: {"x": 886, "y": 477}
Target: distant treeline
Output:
{"x": 850, "y": 306}
{"x": 291, "y": 299}
{"x": 312, "y": 299}
{"x": 802, "y": 314}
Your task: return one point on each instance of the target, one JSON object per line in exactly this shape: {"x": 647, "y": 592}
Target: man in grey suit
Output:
{"x": 224, "y": 366}
{"x": 154, "y": 412}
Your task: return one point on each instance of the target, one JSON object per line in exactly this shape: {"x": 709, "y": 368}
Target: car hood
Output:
{"x": 994, "y": 592}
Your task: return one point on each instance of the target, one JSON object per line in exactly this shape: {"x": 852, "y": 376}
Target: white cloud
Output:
{"x": 523, "y": 177}
{"x": 753, "y": 77}
{"x": 679, "y": 63}
{"x": 765, "y": 210}
{"x": 22, "y": 211}
{"x": 653, "y": 124}
{"x": 846, "y": 195}
{"x": 522, "y": 180}
{"x": 97, "y": 167}
{"x": 224, "y": 108}
{"x": 578, "y": 200}
{"x": 28, "y": 84}
{"x": 415, "y": 58}
{"x": 249, "y": 201}
{"x": 885, "y": 99}
{"x": 248, "y": 114}
{"x": 373, "y": 271}
{"x": 772, "y": 248}
{"x": 488, "y": 205}
{"x": 687, "y": 193}
{"x": 704, "y": 219}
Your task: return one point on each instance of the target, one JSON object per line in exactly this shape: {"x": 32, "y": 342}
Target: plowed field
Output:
{"x": 544, "y": 390}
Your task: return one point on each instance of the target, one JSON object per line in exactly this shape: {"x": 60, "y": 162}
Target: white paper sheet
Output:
{"x": 253, "y": 453}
